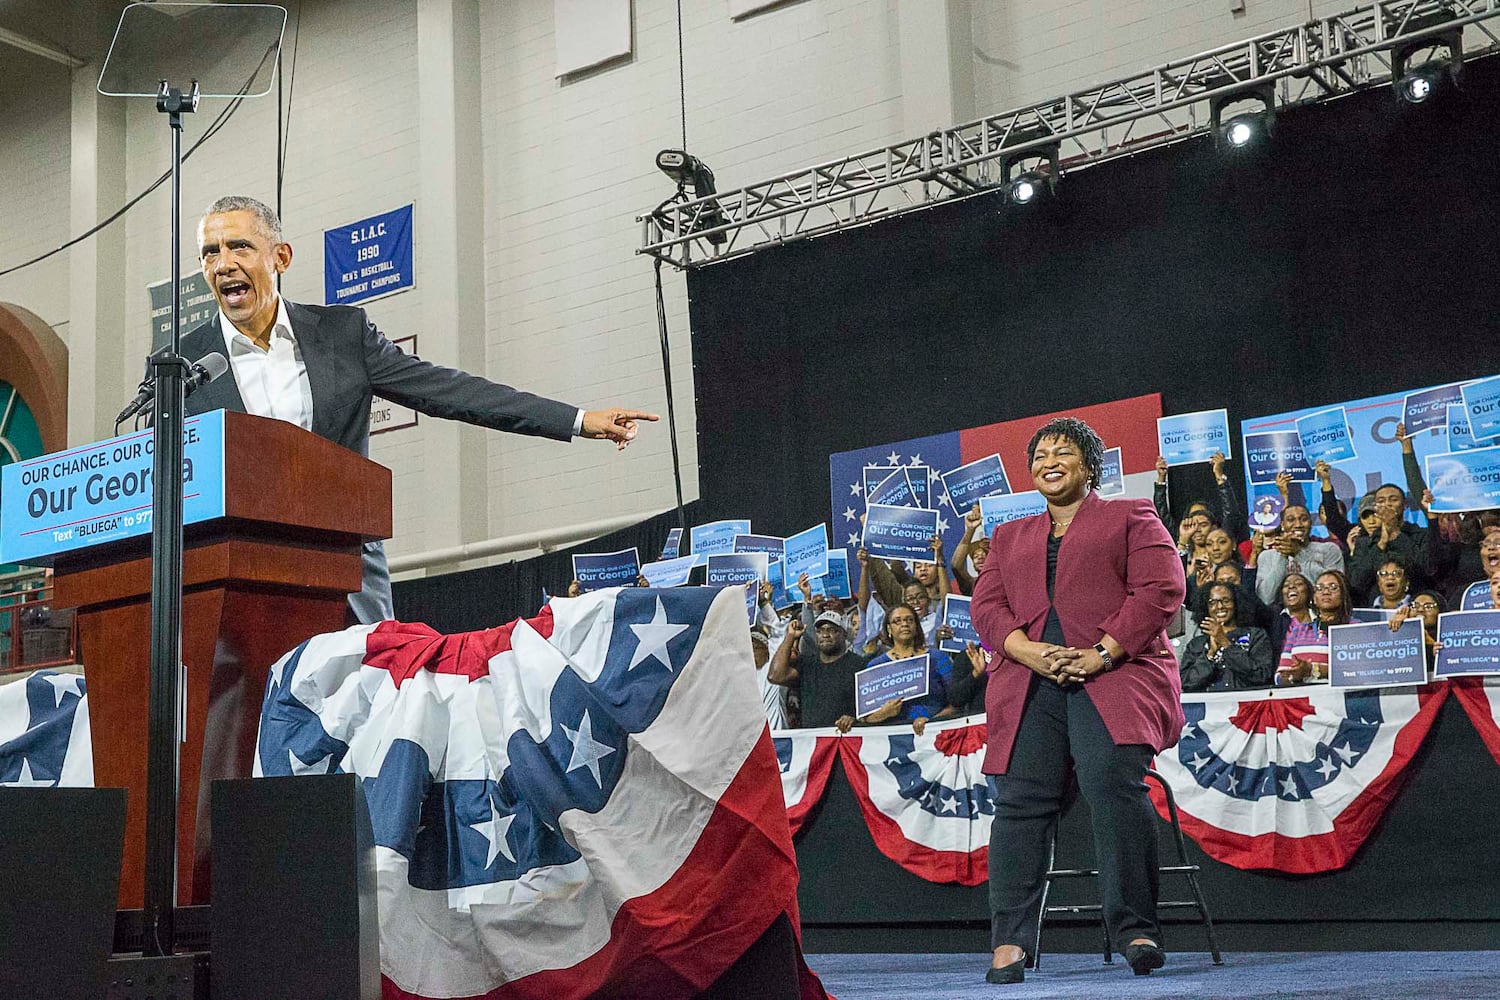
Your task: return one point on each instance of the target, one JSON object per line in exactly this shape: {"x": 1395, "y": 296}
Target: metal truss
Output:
{"x": 1301, "y": 64}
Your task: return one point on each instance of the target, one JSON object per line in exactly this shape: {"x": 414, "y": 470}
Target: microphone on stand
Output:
{"x": 201, "y": 372}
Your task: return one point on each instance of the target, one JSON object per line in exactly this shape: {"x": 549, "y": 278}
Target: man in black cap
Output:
{"x": 827, "y": 685}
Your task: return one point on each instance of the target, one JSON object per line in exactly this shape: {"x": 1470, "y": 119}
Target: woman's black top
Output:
{"x": 1053, "y": 631}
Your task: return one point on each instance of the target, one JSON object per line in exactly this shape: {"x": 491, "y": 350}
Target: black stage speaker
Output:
{"x": 294, "y": 905}
{"x": 60, "y": 852}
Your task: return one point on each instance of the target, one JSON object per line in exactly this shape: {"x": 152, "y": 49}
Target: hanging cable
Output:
{"x": 284, "y": 131}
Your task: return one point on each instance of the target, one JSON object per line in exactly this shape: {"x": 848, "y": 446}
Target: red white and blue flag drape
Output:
{"x": 581, "y": 803}
{"x": 44, "y": 732}
{"x": 1480, "y": 697}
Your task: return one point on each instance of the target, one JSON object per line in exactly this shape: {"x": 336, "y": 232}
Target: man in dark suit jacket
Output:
{"x": 320, "y": 366}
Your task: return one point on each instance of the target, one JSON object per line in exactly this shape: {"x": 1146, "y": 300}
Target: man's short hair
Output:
{"x": 244, "y": 203}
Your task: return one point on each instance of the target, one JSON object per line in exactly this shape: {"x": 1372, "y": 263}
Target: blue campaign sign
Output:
{"x": 903, "y": 679}
{"x": 1367, "y": 615}
{"x": 900, "y": 532}
{"x": 1460, "y": 435}
{"x": 996, "y": 511}
{"x": 780, "y": 596}
{"x": 956, "y": 617}
{"x": 1325, "y": 437}
{"x": 895, "y": 490}
{"x": 836, "y": 581}
{"x": 1464, "y": 480}
{"x": 1477, "y": 597}
{"x": 674, "y": 544}
{"x": 1193, "y": 437}
{"x": 807, "y": 552}
{"x": 597, "y": 570}
{"x": 1112, "y": 479}
{"x": 728, "y": 569}
{"x": 1470, "y": 643}
{"x": 1370, "y": 656}
{"x": 1428, "y": 408}
{"x": 881, "y": 480}
{"x": 769, "y": 544}
{"x": 1269, "y": 454}
{"x": 1482, "y": 403}
{"x": 369, "y": 258}
{"x": 717, "y": 537}
{"x": 673, "y": 572}
{"x": 967, "y": 484}
{"x": 102, "y": 492}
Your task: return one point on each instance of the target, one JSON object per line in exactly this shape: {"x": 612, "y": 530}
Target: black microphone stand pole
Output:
{"x": 164, "y": 733}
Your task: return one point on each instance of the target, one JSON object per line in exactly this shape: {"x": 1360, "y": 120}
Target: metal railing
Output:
{"x": 33, "y": 634}
{"x": 1302, "y": 63}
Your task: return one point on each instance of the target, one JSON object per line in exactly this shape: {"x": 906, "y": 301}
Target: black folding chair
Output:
{"x": 1181, "y": 868}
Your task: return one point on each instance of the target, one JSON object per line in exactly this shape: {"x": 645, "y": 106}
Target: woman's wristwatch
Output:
{"x": 1109, "y": 661}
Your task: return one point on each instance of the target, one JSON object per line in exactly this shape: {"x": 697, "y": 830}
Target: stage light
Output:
{"x": 1244, "y": 127}
{"x": 690, "y": 172}
{"x": 1031, "y": 176}
{"x": 1442, "y": 65}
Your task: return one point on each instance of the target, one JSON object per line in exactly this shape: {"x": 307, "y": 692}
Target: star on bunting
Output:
{"x": 494, "y": 830}
{"x": 587, "y": 751}
{"x": 64, "y": 684}
{"x": 652, "y": 639}
{"x": 25, "y": 779}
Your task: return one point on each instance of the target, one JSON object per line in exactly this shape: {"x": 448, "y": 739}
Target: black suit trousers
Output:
{"x": 1062, "y": 735}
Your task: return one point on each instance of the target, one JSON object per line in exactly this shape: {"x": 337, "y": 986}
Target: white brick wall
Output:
{"x": 569, "y": 306}
{"x": 34, "y": 138}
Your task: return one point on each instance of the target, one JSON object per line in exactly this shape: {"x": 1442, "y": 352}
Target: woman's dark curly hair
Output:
{"x": 1078, "y": 434}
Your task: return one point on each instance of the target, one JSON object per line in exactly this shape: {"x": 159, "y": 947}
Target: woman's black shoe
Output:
{"x": 1144, "y": 957}
{"x": 1012, "y": 973}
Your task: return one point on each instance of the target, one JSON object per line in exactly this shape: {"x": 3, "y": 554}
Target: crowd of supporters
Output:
{"x": 1257, "y": 612}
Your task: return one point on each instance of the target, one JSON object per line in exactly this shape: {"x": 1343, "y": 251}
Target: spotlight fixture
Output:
{"x": 1031, "y": 176}
{"x": 1243, "y": 127}
{"x": 690, "y": 172}
{"x": 1414, "y": 84}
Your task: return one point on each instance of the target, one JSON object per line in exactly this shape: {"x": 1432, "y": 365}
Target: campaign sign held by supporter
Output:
{"x": 1325, "y": 437}
{"x": 781, "y": 597}
{"x": 956, "y": 617}
{"x": 1464, "y": 480}
{"x": 1112, "y": 478}
{"x": 996, "y": 511}
{"x": 1368, "y": 615}
{"x": 1193, "y": 437}
{"x": 769, "y": 544}
{"x": 895, "y": 490}
{"x": 728, "y": 569}
{"x": 836, "y": 580}
{"x": 807, "y": 552}
{"x": 1460, "y": 434}
{"x": 671, "y": 572}
{"x": 1482, "y": 404}
{"x": 1429, "y": 407}
{"x": 673, "y": 547}
{"x": 716, "y": 537}
{"x": 1470, "y": 643}
{"x": 1477, "y": 597}
{"x": 967, "y": 484}
{"x": 1274, "y": 452}
{"x": 1371, "y": 656}
{"x": 900, "y": 532}
{"x": 597, "y": 570}
{"x": 903, "y": 679}
{"x": 1265, "y": 513}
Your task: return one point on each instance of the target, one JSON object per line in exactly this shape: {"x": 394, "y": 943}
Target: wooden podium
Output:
{"x": 274, "y": 570}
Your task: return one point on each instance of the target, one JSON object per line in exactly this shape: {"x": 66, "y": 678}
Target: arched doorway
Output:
{"x": 33, "y": 391}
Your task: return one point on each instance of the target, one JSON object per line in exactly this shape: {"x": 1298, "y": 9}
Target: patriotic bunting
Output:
{"x": 44, "y": 732}
{"x": 806, "y": 761}
{"x": 1480, "y": 697}
{"x": 566, "y": 806}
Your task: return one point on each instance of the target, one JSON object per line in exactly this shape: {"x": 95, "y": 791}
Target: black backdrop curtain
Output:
{"x": 1356, "y": 254}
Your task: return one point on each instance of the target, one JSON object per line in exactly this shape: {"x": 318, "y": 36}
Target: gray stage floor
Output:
{"x": 1451, "y": 975}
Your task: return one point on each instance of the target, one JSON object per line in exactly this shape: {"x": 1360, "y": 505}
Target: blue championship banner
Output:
{"x": 1371, "y": 656}
{"x": 1464, "y": 480}
{"x": 900, "y": 532}
{"x": 597, "y": 570}
{"x": 967, "y": 484}
{"x": 102, "y": 492}
{"x": 1470, "y": 643}
{"x": 1274, "y": 452}
{"x": 1193, "y": 437}
{"x": 893, "y": 679}
{"x": 370, "y": 258}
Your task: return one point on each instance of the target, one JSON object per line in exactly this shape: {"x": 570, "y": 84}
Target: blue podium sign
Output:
{"x": 369, "y": 258}
{"x": 102, "y": 492}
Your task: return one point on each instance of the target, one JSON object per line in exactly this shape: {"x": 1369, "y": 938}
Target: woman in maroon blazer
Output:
{"x": 1075, "y": 601}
